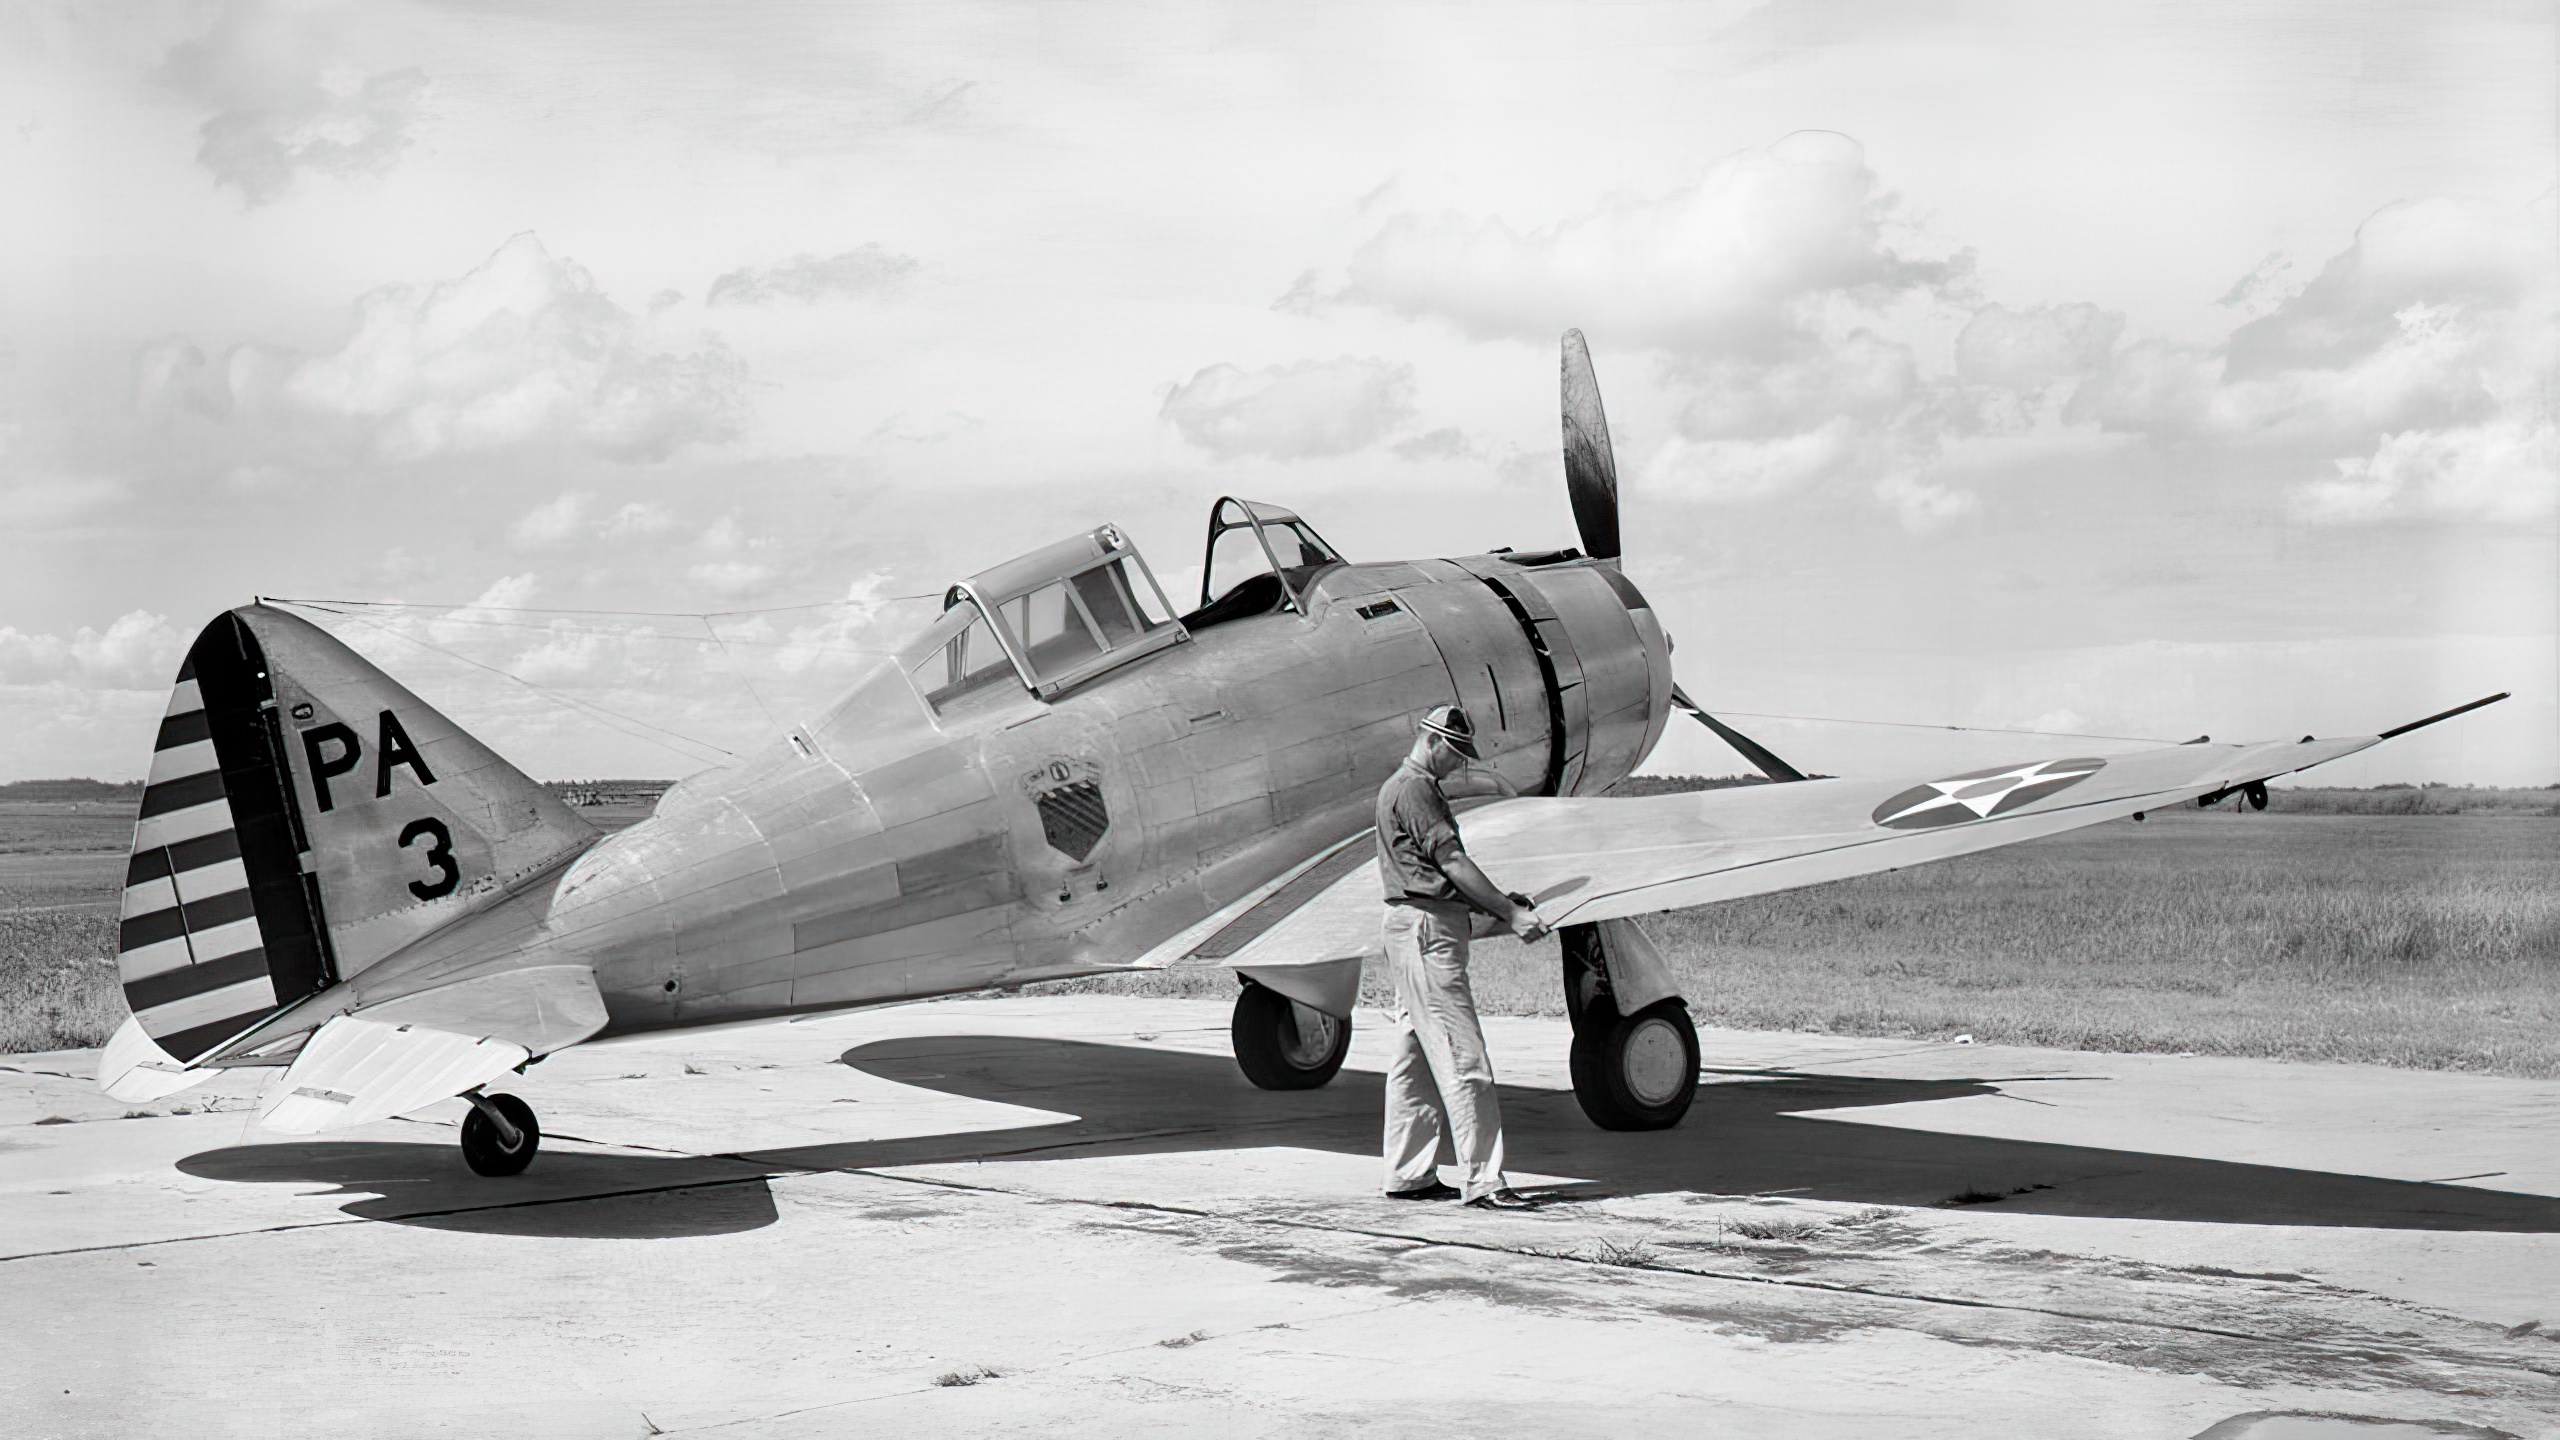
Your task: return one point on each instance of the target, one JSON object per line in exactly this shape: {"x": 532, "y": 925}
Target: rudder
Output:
{"x": 271, "y": 860}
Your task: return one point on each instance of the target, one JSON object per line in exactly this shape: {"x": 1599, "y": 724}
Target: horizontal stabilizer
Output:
{"x": 418, "y": 1049}
{"x": 133, "y": 1068}
{"x": 541, "y": 1008}
{"x": 356, "y": 1071}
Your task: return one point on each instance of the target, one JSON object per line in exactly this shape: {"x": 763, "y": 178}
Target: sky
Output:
{"x": 2138, "y": 371}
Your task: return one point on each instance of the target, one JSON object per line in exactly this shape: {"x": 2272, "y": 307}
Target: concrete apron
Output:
{"x": 1072, "y": 1214}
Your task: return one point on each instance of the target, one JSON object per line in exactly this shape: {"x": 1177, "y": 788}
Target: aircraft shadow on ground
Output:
{"x": 1739, "y": 1139}
{"x": 567, "y": 1194}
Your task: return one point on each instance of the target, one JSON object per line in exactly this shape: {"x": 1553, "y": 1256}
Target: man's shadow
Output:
{"x": 1739, "y": 1139}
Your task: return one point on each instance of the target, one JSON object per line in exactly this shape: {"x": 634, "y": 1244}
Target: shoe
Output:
{"x": 1436, "y": 1190}
{"x": 1503, "y": 1199}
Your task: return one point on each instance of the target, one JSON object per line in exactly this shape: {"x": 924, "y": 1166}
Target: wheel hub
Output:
{"x": 1652, "y": 1061}
{"x": 1313, "y": 1038}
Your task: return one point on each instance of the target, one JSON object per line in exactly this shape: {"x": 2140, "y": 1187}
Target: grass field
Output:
{"x": 2413, "y": 939}
{"x": 61, "y": 871}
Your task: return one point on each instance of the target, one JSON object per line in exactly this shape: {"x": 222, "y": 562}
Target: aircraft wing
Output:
{"x": 1609, "y": 858}
{"x": 1606, "y": 859}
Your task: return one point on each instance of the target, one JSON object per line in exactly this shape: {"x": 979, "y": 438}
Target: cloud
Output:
{"x": 139, "y": 651}
{"x": 504, "y": 595}
{"x": 1861, "y": 377}
{"x": 523, "y": 350}
{"x": 2507, "y": 470}
{"x": 854, "y": 627}
{"x": 1785, "y": 297}
{"x": 571, "y": 519}
{"x": 1724, "y": 471}
{"x": 1446, "y": 443}
{"x": 2032, "y": 349}
{"x": 2431, "y": 253}
{"x": 635, "y": 520}
{"x": 172, "y": 374}
{"x": 1805, "y": 342}
{"x": 1733, "y": 265}
{"x": 281, "y": 107}
{"x": 554, "y": 522}
{"x": 2437, "y": 315}
{"x": 1920, "y": 505}
{"x": 2259, "y": 290}
{"x": 2422, "y": 351}
{"x": 730, "y": 577}
{"x": 1308, "y": 409}
{"x": 643, "y": 688}
{"x": 808, "y": 279}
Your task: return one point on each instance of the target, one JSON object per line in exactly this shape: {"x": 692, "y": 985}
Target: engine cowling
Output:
{"x": 1612, "y": 662}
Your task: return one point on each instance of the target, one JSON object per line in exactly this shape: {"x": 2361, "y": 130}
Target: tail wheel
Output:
{"x": 484, "y": 1147}
{"x": 1636, "y": 1072}
{"x": 1283, "y": 1045}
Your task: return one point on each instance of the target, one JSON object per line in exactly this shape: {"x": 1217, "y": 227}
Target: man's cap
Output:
{"x": 1451, "y": 724}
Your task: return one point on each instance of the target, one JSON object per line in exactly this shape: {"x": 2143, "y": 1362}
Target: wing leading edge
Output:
{"x": 1613, "y": 858}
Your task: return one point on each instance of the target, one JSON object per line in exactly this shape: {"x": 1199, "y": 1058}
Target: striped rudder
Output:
{"x": 221, "y": 925}
{"x": 307, "y": 818}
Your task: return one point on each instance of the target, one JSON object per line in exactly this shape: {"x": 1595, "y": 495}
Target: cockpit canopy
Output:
{"x": 1264, "y": 556}
{"x": 1051, "y": 620}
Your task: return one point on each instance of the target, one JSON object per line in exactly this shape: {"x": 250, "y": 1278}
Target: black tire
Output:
{"x": 485, "y": 1153}
{"x": 1636, "y": 1072}
{"x": 1283, "y": 1045}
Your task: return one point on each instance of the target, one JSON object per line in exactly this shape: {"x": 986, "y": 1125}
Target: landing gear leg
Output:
{"x": 1634, "y": 1071}
{"x": 1283, "y": 1045}
{"x": 499, "y": 1136}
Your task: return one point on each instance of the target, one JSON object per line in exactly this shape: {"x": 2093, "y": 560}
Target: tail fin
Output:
{"x": 306, "y": 817}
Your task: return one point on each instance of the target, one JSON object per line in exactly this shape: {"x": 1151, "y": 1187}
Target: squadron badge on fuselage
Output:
{"x": 1981, "y": 794}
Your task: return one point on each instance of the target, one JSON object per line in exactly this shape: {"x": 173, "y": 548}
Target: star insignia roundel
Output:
{"x": 1981, "y": 794}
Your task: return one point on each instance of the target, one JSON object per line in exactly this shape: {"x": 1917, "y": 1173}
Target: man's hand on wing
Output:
{"x": 1516, "y": 912}
{"x": 1524, "y": 919}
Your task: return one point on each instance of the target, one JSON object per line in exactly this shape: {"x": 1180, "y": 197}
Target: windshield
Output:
{"x": 958, "y": 657}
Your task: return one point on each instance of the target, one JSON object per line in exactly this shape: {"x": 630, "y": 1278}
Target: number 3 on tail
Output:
{"x": 439, "y": 854}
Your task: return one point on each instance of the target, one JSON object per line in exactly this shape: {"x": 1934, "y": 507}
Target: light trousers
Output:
{"x": 1437, "y": 1058}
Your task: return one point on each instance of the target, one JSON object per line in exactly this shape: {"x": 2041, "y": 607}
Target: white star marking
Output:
{"x": 1978, "y": 793}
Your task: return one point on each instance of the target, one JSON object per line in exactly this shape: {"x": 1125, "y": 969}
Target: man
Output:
{"x": 1433, "y": 893}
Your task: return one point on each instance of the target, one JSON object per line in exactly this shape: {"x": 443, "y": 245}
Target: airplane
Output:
{"x": 1059, "y": 777}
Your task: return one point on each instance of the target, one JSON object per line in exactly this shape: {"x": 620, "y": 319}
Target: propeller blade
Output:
{"x": 1751, "y": 750}
{"x": 1590, "y": 468}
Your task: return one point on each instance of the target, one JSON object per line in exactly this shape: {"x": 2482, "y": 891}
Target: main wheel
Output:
{"x": 1283, "y": 1045}
{"x": 485, "y": 1153}
{"x": 1636, "y": 1072}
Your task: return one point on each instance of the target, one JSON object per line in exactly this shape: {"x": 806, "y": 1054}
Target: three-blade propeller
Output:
{"x": 1591, "y": 483}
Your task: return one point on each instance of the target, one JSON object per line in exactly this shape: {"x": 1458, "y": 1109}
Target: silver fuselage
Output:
{"x": 886, "y": 851}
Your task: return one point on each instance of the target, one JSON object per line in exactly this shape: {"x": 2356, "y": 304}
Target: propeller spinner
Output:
{"x": 1591, "y": 483}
